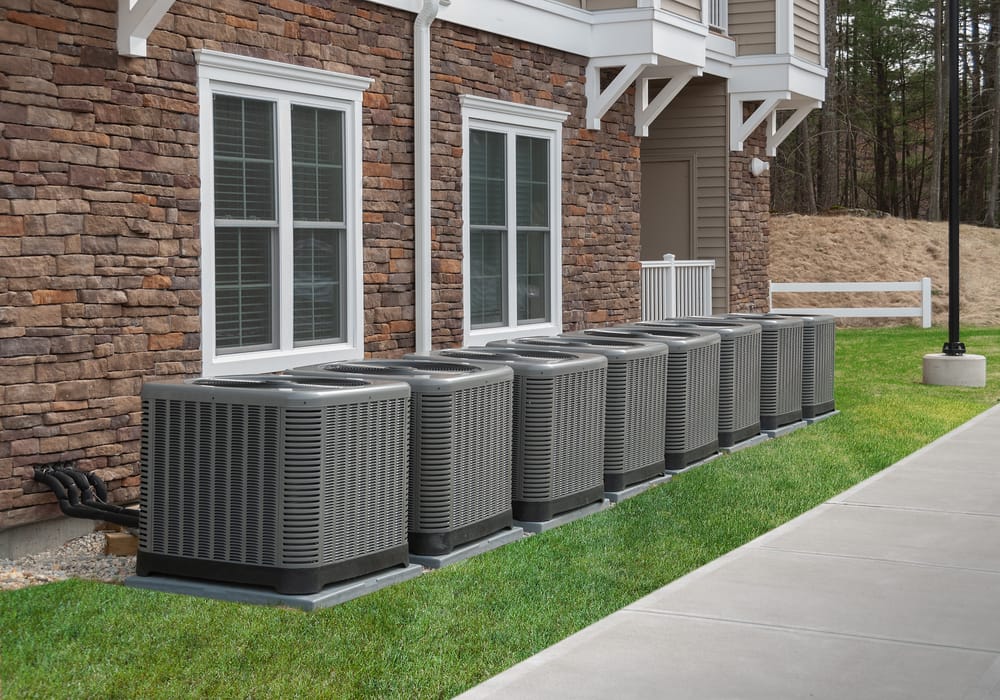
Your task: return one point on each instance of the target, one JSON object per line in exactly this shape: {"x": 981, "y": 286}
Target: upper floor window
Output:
{"x": 281, "y": 240}
{"x": 512, "y": 202}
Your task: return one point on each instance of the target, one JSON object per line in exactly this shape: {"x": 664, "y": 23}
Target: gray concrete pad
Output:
{"x": 749, "y": 442}
{"x": 334, "y": 594}
{"x": 497, "y": 539}
{"x": 534, "y": 527}
{"x": 695, "y": 465}
{"x": 636, "y": 655}
{"x": 636, "y": 489}
{"x": 785, "y": 429}
{"x": 843, "y": 595}
{"x": 822, "y": 417}
{"x": 935, "y": 538}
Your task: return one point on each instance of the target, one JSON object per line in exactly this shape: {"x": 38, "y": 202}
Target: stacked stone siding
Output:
{"x": 749, "y": 227}
{"x": 100, "y": 203}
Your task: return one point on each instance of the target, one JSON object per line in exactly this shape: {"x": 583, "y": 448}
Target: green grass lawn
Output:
{"x": 447, "y": 630}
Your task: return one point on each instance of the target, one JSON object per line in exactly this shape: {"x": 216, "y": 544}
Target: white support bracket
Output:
{"x": 740, "y": 128}
{"x": 136, "y": 21}
{"x": 776, "y": 134}
{"x": 600, "y": 101}
{"x": 646, "y": 110}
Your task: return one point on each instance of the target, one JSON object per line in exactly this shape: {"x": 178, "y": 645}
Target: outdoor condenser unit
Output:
{"x": 780, "y": 368}
{"x": 460, "y": 445}
{"x": 818, "y": 348}
{"x": 739, "y": 373}
{"x": 692, "y": 397}
{"x": 558, "y": 430}
{"x": 634, "y": 413}
{"x": 286, "y": 482}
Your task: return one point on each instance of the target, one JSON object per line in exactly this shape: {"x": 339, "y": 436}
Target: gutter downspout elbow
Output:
{"x": 422, "y": 172}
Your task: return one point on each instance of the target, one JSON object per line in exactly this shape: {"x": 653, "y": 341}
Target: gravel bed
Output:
{"x": 82, "y": 557}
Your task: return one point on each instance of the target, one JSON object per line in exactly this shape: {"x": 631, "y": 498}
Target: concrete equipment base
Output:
{"x": 43, "y": 536}
{"x": 636, "y": 489}
{"x": 749, "y": 442}
{"x": 334, "y": 594}
{"x": 785, "y": 429}
{"x": 955, "y": 370}
{"x": 563, "y": 518}
{"x": 817, "y": 419}
{"x": 471, "y": 549}
{"x": 695, "y": 465}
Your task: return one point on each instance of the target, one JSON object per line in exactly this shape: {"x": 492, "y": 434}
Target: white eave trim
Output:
{"x": 136, "y": 21}
{"x": 274, "y": 75}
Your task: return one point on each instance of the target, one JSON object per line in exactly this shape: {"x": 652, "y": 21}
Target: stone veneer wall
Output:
{"x": 100, "y": 199}
{"x": 601, "y": 175}
{"x": 749, "y": 227}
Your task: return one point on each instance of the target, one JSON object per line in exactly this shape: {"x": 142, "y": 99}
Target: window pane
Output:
{"x": 318, "y": 275}
{"x": 244, "y": 288}
{"x": 244, "y": 158}
{"x": 532, "y": 181}
{"x": 488, "y": 271}
{"x": 532, "y": 276}
{"x": 317, "y": 164}
{"x": 487, "y": 178}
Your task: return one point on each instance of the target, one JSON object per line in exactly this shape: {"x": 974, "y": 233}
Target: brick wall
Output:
{"x": 100, "y": 199}
{"x": 601, "y": 175}
{"x": 749, "y": 227}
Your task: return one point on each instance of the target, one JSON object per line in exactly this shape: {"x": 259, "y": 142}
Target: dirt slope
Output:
{"x": 869, "y": 249}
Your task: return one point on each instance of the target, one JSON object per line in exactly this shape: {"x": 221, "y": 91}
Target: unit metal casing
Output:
{"x": 739, "y": 373}
{"x": 780, "y": 367}
{"x": 460, "y": 445}
{"x": 819, "y": 337}
{"x": 558, "y": 428}
{"x": 285, "y": 482}
{"x": 692, "y": 396}
{"x": 635, "y": 412}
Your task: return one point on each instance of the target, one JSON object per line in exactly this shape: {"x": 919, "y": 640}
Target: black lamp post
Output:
{"x": 954, "y": 346}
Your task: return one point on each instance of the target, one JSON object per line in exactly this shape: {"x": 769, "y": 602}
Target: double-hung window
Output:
{"x": 281, "y": 240}
{"x": 512, "y": 219}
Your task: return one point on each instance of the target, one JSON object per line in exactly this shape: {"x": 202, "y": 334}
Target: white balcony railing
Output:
{"x": 672, "y": 288}
{"x": 717, "y": 11}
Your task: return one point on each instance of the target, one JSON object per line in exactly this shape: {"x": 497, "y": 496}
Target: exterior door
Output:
{"x": 666, "y": 209}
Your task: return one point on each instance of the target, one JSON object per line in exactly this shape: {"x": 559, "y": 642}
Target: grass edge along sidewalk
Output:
{"x": 448, "y": 630}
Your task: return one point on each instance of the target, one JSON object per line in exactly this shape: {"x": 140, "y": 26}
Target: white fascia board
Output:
{"x": 765, "y": 74}
{"x": 674, "y": 38}
{"x": 542, "y": 22}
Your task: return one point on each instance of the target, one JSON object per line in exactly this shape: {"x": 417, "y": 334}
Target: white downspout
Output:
{"x": 422, "y": 171}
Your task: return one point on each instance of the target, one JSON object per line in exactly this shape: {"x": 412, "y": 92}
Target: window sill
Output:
{"x": 278, "y": 360}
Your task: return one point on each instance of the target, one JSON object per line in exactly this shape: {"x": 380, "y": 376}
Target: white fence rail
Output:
{"x": 923, "y": 312}
{"x": 672, "y": 288}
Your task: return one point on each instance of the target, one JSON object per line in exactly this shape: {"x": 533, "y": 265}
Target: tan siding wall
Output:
{"x": 685, "y": 8}
{"x": 694, "y": 126}
{"x": 606, "y": 4}
{"x": 752, "y": 25}
{"x": 807, "y": 30}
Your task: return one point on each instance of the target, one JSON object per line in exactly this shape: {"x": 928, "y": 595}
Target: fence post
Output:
{"x": 925, "y": 301}
{"x": 671, "y": 286}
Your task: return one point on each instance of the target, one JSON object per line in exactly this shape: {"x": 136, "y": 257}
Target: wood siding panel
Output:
{"x": 752, "y": 23}
{"x": 694, "y": 126}
{"x": 807, "y": 39}
{"x": 685, "y": 8}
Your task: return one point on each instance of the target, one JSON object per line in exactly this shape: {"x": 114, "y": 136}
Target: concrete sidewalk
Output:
{"x": 889, "y": 590}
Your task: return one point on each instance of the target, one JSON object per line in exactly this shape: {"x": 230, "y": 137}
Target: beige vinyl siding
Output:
{"x": 693, "y": 126}
{"x": 572, "y": 3}
{"x": 685, "y": 8}
{"x": 807, "y": 30}
{"x": 607, "y": 4}
{"x": 752, "y": 23}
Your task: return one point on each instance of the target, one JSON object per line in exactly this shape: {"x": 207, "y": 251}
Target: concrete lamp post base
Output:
{"x": 954, "y": 370}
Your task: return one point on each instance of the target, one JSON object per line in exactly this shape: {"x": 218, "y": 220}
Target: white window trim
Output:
{"x": 514, "y": 119}
{"x": 220, "y": 73}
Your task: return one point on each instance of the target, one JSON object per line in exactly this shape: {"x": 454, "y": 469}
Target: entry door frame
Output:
{"x": 657, "y": 156}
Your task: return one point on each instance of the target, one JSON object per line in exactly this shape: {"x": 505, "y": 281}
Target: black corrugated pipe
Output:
{"x": 67, "y": 494}
{"x": 89, "y": 495}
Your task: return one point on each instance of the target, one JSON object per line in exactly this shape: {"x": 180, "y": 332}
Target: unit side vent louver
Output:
{"x": 781, "y": 368}
{"x": 276, "y": 482}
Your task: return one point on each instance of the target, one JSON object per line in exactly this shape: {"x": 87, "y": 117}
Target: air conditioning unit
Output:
{"x": 286, "y": 482}
{"x": 558, "y": 431}
{"x": 780, "y": 368}
{"x": 634, "y": 413}
{"x": 460, "y": 446}
{"x": 692, "y": 398}
{"x": 739, "y": 373}
{"x": 819, "y": 339}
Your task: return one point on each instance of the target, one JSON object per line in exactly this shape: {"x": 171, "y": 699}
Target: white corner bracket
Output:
{"x": 136, "y": 21}
{"x": 646, "y": 110}
{"x": 740, "y": 128}
{"x": 600, "y": 101}
{"x": 776, "y": 134}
